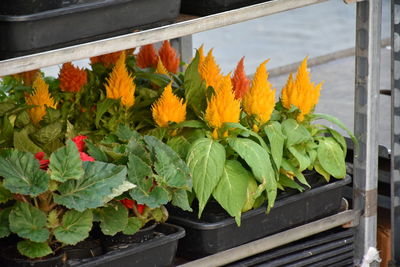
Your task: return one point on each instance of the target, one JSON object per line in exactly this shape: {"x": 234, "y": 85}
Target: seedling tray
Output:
{"x": 88, "y": 20}
{"x": 207, "y": 7}
{"x": 159, "y": 251}
{"x": 205, "y": 238}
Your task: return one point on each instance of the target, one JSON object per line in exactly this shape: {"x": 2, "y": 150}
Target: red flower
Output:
{"x": 240, "y": 82}
{"x": 169, "y": 57}
{"x": 85, "y": 157}
{"x": 128, "y": 203}
{"x": 140, "y": 208}
{"x": 80, "y": 142}
{"x": 147, "y": 57}
{"x": 44, "y": 163}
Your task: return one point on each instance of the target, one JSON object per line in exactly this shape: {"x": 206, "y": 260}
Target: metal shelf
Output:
{"x": 185, "y": 25}
{"x": 276, "y": 240}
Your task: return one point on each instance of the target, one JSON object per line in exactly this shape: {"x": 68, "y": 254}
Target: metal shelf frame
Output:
{"x": 368, "y": 35}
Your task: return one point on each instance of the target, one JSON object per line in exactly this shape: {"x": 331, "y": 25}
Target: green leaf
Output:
{"x": 33, "y": 249}
{"x": 287, "y": 182}
{"x": 180, "y": 199}
{"x": 301, "y": 156}
{"x": 231, "y": 191}
{"x": 113, "y": 218}
{"x": 189, "y": 124}
{"x": 331, "y": 157}
{"x": 75, "y": 227}
{"x": 134, "y": 224}
{"x": 195, "y": 87}
{"x": 92, "y": 189}
{"x": 102, "y": 107}
{"x": 4, "y": 222}
{"x": 340, "y": 139}
{"x": 5, "y": 195}
{"x": 180, "y": 145}
{"x": 96, "y": 152}
{"x": 338, "y": 123}
{"x": 169, "y": 166}
{"x": 206, "y": 160}
{"x": 288, "y": 166}
{"x": 258, "y": 160}
{"x": 48, "y": 133}
{"x": 153, "y": 199}
{"x": 276, "y": 139}
{"x": 138, "y": 149}
{"x": 295, "y": 133}
{"x": 66, "y": 163}
{"x": 28, "y": 222}
{"x": 22, "y": 174}
{"x": 119, "y": 190}
{"x": 320, "y": 170}
{"x": 244, "y": 132}
{"x": 124, "y": 133}
{"x": 138, "y": 171}
{"x": 22, "y": 141}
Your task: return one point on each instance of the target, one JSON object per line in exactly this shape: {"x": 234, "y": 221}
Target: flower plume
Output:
{"x": 108, "y": 59}
{"x": 240, "y": 82}
{"x": 120, "y": 84}
{"x": 210, "y": 71}
{"x": 161, "y": 68}
{"x": 72, "y": 78}
{"x": 168, "y": 108}
{"x": 301, "y": 92}
{"x": 147, "y": 56}
{"x": 169, "y": 57}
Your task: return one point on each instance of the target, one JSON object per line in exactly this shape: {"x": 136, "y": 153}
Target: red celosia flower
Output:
{"x": 107, "y": 60}
{"x": 85, "y": 157}
{"x": 147, "y": 56}
{"x": 72, "y": 79}
{"x": 169, "y": 57}
{"x": 44, "y": 163}
{"x": 79, "y": 142}
{"x": 240, "y": 82}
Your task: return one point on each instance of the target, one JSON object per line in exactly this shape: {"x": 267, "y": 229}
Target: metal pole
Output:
{"x": 368, "y": 35}
{"x": 395, "y": 155}
{"x": 184, "y": 45}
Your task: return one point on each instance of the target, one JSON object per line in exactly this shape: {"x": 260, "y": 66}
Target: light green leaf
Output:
{"x": 276, "y": 139}
{"x": 48, "y": 133}
{"x": 102, "y": 107}
{"x": 258, "y": 160}
{"x": 155, "y": 198}
{"x": 66, "y": 163}
{"x": 22, "y": 141}
{"x": 331, "y": 157}
{"x": 206, "y": 160}
{"x": 28, "y": 222}
{"x": 113, "y": 218}
{"x": 340, "y": 139}
{"x": 180, "y": 145}
{"x": 75, "y": 227}
{"x": 288, "y": 166}
{"x": 4, "y": 222}
{"x": 301, "y": 156}
{"x": 287, "y": 182}
{"x": 231, "y": 191}
{"x": 189, "y": 124}
{"x": 124, "y": 133}
{"x": 134, "y": 224}
{"x": 320, "y": 170}
{"x": 295, "y": 133}
{"x": 119, "y": 190}
{"x": 33, "y": 249}
{"x": 180, "y": 199}
{"x": 22, "y": 174}
{"x": 92, "y": 189}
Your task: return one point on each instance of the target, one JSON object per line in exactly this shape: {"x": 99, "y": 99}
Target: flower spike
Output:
{"x": 120, "y": 84}
{"x": 72, "y": 78}
{"x": 169, "y": 57}
{"x": 147, "y": 57}
{"x": 161, "y": 68}
{"x": 240, "y": 82}
{"x": 210, "y": 71}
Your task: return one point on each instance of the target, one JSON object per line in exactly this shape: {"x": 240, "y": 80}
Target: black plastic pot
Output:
{"x": 205, "y": 238}
{"x": 119, "y": 240}
{"x": 159, "y": 251}
{"x": 330, "y": 248}
{"x": 207, "y": 7}
{"x": 85, "y": 21}
{"x": 22, "y": 7}
{"x": 10, "y": 257}
{"x": 88, "y": 248}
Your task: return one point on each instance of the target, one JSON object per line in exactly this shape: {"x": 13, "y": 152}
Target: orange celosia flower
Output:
{"x": 168, "y": 108}
{"x": 259, "y": 100}
{"x": 107, "y": 60}
{"x": 201, "y": 55}
{"x": 120, "y": 85}
{"x": 147, "y": 56}
{"x": 41, "y": 98}
{"x": 210, "y": 71}
{"x": 301, "y": 92}
{"x": 240, "y": 82}
{"x": 27, "y": 77}
{"x": 169, "y": 57}
{"x": 223, "y": 107}
{"x": 160, "y": 68}
{"x": 72, "y": 78}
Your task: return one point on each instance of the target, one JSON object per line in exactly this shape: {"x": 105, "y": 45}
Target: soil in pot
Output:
{"x": 85, "y": 249}
{"x": 119, "y": 241}
{"x": 10, "y": 257}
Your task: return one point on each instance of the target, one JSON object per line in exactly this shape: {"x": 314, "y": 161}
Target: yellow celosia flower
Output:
{"x": 210, "y": 71}
{"x": 201, "y": 55}
{"x": 161, "y": 68}
{"x": 168, "y": 108}
{"x": 301, "y": 92}
{"x": 223, "y": 106}
{"x": 120, "y": 84}
{"x": 40, "y": 98}
{"x": 259, "y": 100}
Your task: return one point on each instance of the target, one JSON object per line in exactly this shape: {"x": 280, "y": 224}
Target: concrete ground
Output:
{"x": 337, "y": 96}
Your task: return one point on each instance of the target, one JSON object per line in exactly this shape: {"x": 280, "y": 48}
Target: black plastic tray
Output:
{"x": 205, "y": 238}
{"x": 324, "y": 249}
{"x": 159, "y": 251}
{"x": 79, "y": 23}
{"x": 207, "y": 7}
